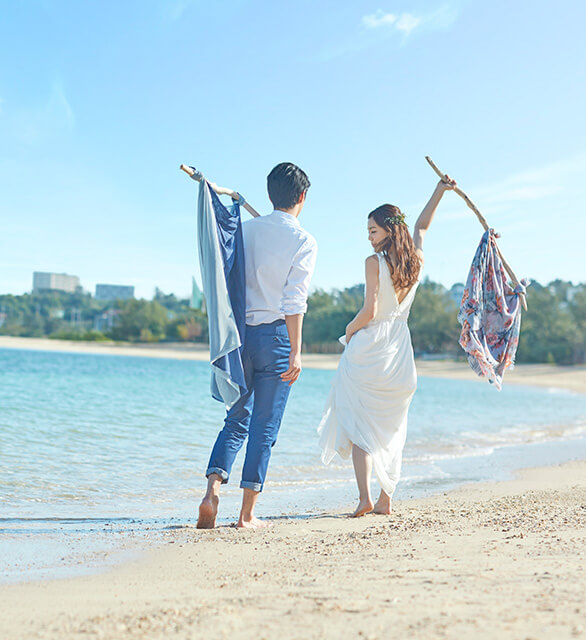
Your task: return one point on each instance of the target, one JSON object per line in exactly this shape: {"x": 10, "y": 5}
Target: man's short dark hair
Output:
{"x": 285, "y": 184}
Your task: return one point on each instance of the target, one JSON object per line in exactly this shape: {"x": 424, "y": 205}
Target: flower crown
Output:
{"x": 396, "y": 218}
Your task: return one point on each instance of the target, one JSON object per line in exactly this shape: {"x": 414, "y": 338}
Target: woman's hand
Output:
{"x": 448, "y": 184}
{"x": 349, "y": 333}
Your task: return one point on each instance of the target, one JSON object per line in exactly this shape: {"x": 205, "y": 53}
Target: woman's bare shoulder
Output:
{"x": 372, "y": 267}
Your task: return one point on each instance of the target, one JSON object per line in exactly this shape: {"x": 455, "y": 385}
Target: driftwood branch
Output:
{"x": 221, "y": 191}
{"x": 484, "y": 224}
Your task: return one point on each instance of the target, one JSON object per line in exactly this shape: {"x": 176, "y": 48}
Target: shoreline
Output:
{"x": 571, "y": 378}
{"x": 503, "y": 559}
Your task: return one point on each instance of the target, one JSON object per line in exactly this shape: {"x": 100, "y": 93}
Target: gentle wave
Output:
{"x": 113, "y": 436}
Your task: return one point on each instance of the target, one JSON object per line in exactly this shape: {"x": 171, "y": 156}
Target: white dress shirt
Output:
{"x": 280, "y": 258}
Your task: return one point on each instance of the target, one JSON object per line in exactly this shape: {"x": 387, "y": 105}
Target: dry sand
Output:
{"x": 177, "y": 351}
{"x": 543, "y": 375}
{"x": 504, "y": 560}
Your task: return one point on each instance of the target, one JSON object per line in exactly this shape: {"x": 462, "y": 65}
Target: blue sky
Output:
{"x": 101, "y": 101}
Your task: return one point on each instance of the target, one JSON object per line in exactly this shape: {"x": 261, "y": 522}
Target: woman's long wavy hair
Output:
{"x": 400, "y": 243}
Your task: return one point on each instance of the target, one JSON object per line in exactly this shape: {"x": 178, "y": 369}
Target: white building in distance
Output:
{"x": 114, "y": 292}
{"x": 43, "y": 281}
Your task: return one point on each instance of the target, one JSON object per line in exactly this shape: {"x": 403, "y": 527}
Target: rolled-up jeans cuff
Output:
{"x": 255, "y": 486}
{"x": 219, "y": 472}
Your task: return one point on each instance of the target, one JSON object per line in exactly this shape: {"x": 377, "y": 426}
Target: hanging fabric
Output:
{"x": 221, "y": 259}
{"x": 490, "y": 314}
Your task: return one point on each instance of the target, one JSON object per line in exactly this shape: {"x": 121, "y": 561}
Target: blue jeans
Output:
{"x": 258, "y": 413}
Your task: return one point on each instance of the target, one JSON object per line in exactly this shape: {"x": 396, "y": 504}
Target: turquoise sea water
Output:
{"x": 94, "y": 446}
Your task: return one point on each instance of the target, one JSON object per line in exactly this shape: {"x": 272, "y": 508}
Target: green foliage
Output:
{"x": 433, "y": 323}
{"x": 74, "y": 316}
{"x": 46, "y": 313}
{"x": 577, "y": 307}
{"x": 552, "y": 330}
{"x": 327, "y": 317}
{"x": 170, "y": 302}
{"x": 433, "y": 320}
{"x": 351, "y": 298}
{"x": 140, "y": 321}
{"x": 553, "y": 327}
{"x": 189, "y": 326}
{"x": 70, "y": 334}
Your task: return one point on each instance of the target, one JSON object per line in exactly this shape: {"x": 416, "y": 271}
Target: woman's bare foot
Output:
{"x": 252, "y": 523}
{"x": 208, "y": 510}
{"x": 364, "y": 506}
{"x": 383, "y": 505}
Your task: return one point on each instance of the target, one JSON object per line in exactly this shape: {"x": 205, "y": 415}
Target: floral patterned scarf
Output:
{"x": 490, "y": 314}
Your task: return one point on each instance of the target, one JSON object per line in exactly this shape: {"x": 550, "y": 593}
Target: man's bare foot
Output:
{"x": 252, "y": 523}
{"x": 364, "y": 506}
{"x": 208, "y": 510}
{"x": 382, "y": 507}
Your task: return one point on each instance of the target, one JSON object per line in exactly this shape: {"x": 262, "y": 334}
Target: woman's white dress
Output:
{"x": 373, "y": 387}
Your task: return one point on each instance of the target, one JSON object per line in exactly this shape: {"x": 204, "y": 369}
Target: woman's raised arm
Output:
{"x": 426, "y": 215}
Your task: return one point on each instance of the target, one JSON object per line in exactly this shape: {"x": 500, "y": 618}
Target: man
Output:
{"x": 279, "y": 258}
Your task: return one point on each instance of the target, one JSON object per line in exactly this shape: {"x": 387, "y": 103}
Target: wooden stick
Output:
{"x": 221, "y": 191}
{"x": 484, "y": 224}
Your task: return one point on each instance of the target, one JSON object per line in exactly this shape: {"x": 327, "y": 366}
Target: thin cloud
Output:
{"x": 376, "y": 29}
{"x": 535, "y": 184}
{"x": 378, "y": 19}
{"x": 177, "y": 8}
{"x": 405, "y": 22}
{"x": 531, "y": 193}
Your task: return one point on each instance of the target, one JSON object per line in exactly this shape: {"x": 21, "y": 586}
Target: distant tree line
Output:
{"x": 552, "y": 330}
{"x": 432, "y": 321}
{"x": 79, "y": 316}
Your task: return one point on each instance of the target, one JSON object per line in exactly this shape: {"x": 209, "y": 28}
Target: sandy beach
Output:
{"x": 542, "y": 375}
{"x": 503, "y": 560}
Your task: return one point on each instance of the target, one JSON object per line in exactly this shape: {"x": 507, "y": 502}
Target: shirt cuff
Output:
{"x": 293, "y": 307}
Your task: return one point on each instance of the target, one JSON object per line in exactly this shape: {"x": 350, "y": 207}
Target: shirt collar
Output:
{"x": 287, "y": 217}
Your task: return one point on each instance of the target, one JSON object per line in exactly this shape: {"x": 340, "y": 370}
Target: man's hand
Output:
{"x": 223, "y": 191}
{"x": 294, "y": 369}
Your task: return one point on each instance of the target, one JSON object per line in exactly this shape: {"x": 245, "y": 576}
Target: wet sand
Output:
{"x": 504, "y": 560}
{"x": 543, "y": 375}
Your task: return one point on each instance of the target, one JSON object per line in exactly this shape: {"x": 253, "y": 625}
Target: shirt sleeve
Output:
{"x": 294, "y": 298}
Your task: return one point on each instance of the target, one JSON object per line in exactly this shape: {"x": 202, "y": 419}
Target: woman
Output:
{"x": 366, "y": 411}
